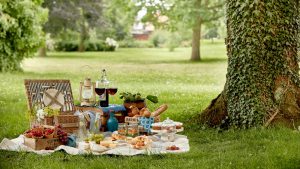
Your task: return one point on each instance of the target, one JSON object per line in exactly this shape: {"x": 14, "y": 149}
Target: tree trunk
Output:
{"x": 81, "y": 46}
{"x": 43, "y": 51}
{"x": 84, "y": 36}
{"x": 196, "y": 42}
{"x": 262, "y": 82}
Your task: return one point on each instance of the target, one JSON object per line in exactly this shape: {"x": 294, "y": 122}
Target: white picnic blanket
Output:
{"x": 158, "y": 147}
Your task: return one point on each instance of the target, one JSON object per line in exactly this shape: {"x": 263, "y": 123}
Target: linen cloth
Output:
{"x": 157, "y": 147}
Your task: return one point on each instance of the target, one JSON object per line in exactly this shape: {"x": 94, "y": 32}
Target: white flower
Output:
{"x": 40, "y": 114}
{"x": 111, "y": 42}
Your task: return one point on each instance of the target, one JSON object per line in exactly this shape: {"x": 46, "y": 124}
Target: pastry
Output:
{"x": 117, "y": 137}
{"x": 173, "y": 147}
{"x": 156, "y": 126}
{"x": 178, "y": 125}
{"x": 140, "y": 142}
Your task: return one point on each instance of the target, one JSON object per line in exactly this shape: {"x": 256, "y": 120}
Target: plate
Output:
{"x": 53, "y": 98}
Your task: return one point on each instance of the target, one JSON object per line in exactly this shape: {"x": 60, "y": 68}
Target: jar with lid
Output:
{"x": 122, "y": 129}
{"x": 132, "y": 129}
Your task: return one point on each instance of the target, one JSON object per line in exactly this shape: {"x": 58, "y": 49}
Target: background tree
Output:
{"x": 75, "y": 15}
{"x": 262, "y": 82}
{"x": 193, "y": 14}
{"x": 20, "y": 31}
{"x": 119, "y": 16}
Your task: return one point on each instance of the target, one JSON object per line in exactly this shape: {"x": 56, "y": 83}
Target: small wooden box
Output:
{"x": 42, "y": 144}
{"x": 68, "y": 123}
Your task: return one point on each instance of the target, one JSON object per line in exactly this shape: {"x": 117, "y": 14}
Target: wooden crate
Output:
{"x": 42, "y": 144}
{"x": 49, "y": 121}
{"x": 69, "y": 123}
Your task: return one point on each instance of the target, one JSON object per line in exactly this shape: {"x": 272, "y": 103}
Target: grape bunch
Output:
{"x": 63, "y": 136}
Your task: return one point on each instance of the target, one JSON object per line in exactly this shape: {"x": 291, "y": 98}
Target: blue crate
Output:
{"x": 146, "y": 123}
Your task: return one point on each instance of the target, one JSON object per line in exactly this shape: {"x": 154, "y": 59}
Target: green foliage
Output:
{"x": 211, "y": 33}
{"x": 260, "y": 33}
{"x": 135, "y": 44}
{"x": 174, "y": 41}
{"x": 89, "y": 46}
{"x": 119, "y": 17}
{"x": 20, "y": 31}
{"x": 66, "y": 46}
{"x": 72, "y": 15}
{"x": 51, "y": 112}
{"x": 158, "y": 38}
{"x": 137, "y": 97}
{"x": 182, "y": 15}
{"x": 186, "y": 87}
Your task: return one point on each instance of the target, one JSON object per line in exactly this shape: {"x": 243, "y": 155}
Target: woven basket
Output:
{"x": 49, "y": 121}
{"x": 35, "y": 90}
{"x": 69, "y": 123}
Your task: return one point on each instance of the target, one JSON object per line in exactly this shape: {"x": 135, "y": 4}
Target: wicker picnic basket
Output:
{"x": 37, "y": 91}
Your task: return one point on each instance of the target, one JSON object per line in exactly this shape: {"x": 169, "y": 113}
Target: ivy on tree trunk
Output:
{"x": 262, "y": 82}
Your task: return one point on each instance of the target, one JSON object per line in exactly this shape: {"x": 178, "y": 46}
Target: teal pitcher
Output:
{"x": 112, "y": 122}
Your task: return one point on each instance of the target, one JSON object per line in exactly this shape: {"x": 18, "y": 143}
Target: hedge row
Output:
{"x": 89, "y": 46}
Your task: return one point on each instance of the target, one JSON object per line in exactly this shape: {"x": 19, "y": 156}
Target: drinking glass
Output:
{"x": 100, "y": 90}
{"x": 112, "y": 89}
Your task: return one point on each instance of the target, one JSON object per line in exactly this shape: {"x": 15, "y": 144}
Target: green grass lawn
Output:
{"x": 187, "y": 87}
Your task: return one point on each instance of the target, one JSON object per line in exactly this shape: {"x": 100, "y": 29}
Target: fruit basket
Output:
{"x": 43, "y": 143}
{"x": 45, "y": 137}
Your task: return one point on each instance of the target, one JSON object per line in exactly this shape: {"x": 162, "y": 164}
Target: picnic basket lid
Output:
{"x": 52, "y": 93}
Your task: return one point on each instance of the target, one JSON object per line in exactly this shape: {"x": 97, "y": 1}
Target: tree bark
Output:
{"x": 43, "y": 51}
{"x": 84, "y": 36}
{"x": 81, "y": 46}
{"x": 262, "y": 82}
{"x": 196, "y": 42}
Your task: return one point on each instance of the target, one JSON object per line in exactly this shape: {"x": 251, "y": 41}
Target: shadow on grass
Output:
{"x": 202, "y": 61}
{"x": 129, "y": 59}
{"x": 75, "y": 55}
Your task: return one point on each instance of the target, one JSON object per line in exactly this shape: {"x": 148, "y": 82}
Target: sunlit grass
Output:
{"x": 187, "y": 87}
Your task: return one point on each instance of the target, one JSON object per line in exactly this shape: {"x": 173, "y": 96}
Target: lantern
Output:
{"x": 87, "y": 93}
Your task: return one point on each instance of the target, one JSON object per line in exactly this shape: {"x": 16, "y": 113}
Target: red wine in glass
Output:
{"x": 112, "y": 91}
{"x": 99, "y": 91}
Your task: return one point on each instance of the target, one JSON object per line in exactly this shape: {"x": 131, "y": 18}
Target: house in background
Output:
{"x": 142, "y": 31}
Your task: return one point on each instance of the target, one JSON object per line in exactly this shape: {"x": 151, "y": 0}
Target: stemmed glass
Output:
{"x": 100, "y": 90}
{"x": 112, "y": 88}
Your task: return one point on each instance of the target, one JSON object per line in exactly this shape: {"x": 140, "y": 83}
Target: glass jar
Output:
{"x": 122, "y": 129}
{"x": 168, "y": 126}
{"x": 132, "y": 129}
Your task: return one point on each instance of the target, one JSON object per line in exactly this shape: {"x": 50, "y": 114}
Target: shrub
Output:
{"x": 20, "y": 31}
{"x": 173, "y": 41}
{"x": 89, "y": 46}
{"x": 66, "y": 46}
{"x": 135, "y": 44}
{"x": 158, "y": 38}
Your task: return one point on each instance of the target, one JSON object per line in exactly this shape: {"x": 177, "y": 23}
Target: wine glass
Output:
{"x": 100, "y": 90}
{"x": 112, "y": 88}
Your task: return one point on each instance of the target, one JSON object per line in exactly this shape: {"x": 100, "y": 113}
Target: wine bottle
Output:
{"x": 104, "y": 98}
